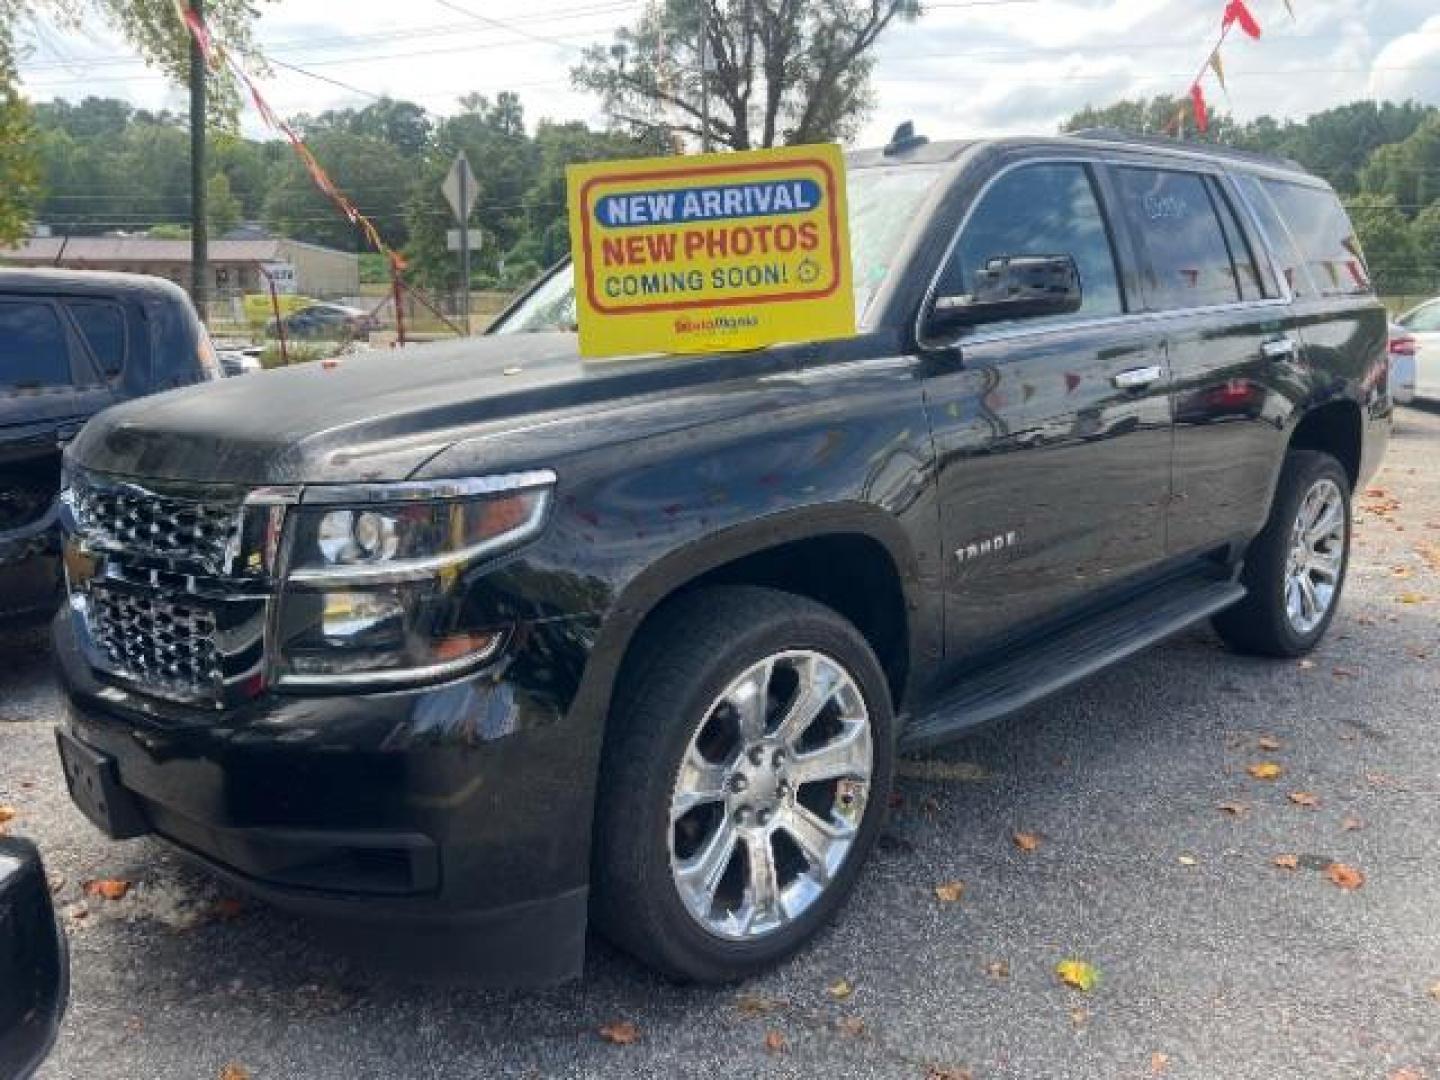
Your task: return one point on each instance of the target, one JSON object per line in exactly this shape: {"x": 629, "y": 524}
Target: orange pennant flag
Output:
{"x": 1219, "y": 69}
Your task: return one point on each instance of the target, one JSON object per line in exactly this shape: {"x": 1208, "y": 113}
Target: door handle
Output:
{"x": 1283, "y": 348}
{"x": 1137, "y": 378}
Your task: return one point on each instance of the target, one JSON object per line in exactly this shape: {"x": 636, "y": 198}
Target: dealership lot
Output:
{"x": 1155, "y": 863}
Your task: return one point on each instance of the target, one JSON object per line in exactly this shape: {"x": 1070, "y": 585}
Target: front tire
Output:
{"x": 1295, "y": 569}
{"x": 745, "y": 777}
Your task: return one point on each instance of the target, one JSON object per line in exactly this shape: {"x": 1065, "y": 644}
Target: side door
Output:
{"x": 46, "y": 394}
{"x": 1052, "y": 434}
{"x": 1231, "y": 341}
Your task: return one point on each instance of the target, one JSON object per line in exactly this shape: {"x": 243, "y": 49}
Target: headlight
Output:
{"x": 376, "y": 578}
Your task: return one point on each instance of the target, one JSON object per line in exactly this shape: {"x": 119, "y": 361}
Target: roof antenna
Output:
{"x": 904, "y": 139}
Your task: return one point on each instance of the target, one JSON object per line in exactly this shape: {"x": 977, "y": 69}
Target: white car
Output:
{"x": 1422, "y": 323}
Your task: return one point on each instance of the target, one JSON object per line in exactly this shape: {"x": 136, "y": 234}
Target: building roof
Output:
{"x": 69, "y": 250}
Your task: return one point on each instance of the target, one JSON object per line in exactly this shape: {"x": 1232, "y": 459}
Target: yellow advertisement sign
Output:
{"x": 712, "y": 252}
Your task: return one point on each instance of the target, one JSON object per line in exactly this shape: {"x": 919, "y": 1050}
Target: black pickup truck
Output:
{"x": 478, "y": 643}
{"x": 73, "y": 343}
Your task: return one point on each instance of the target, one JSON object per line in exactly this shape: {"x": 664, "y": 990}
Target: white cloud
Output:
{"x": 1409, "y": 66}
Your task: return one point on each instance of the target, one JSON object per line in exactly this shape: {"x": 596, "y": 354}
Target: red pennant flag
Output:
{"x": 1202, "y": 115}
{"x": 1237, "y": 12}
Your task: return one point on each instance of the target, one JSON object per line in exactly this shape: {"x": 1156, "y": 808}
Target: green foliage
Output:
{"x": 1386, "y": 239}
{"x": 19, "y": 172}
{"x": 374, "y": 174}
{"x": 1408, "y": 171}
{"x": 222, "y": 208}
{"x": 783, "y": 71}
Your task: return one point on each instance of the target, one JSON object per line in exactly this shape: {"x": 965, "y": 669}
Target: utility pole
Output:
{"x": 705, "y": 65}
{"x": 199, "y": 240}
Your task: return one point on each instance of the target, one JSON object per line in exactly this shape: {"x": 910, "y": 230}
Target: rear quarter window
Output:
{"x": 102, "y": 325}
{"x": 1326, "y": 239}
{"x": 1188, "y": 258}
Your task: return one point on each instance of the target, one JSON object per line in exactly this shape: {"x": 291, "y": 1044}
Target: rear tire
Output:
{"x": 710, "y": 766}
{"x": 1295, "y": 569}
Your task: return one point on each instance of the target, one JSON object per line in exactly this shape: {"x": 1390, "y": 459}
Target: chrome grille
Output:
{"x": 125, "y": 517}
{"x": 165, "y": 646}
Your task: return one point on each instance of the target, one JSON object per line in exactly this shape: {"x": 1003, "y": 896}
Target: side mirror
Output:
{"x": 1012, "y": 287}
{"x": 34, "y": 963}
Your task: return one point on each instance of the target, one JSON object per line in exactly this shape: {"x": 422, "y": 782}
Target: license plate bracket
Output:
{"x": 94, "y": 784}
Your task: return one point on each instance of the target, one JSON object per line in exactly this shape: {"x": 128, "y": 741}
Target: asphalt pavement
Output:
{"x": 1153, "y": 861}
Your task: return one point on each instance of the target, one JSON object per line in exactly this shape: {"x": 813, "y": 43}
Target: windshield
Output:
{"x": 882, "y": 205}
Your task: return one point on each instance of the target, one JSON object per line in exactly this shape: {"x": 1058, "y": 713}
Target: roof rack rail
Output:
{"x": 1163, "y": 142}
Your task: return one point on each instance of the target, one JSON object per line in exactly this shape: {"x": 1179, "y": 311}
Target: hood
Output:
{"x": 371, "y": 416}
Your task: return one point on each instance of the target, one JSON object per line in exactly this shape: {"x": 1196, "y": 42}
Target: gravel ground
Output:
{"x": 1213, "y": 961}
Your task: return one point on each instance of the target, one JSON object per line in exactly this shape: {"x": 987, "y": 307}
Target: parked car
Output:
{"x": 1402, "y": 364}
{"x": 472, "y": 649}
{"x": 1422, "y": 324}
{"x": 34, "y": 962}
{"x": 239, "y": 361}
{"x": 73, "y": 343}
{"x": 325, "y": 321}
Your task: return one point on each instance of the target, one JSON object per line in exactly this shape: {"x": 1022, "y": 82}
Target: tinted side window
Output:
{"x": 103, "y": 327}
{"x": 1040, "y": 210}
{"x": 1277, "y": 235}
{"x": 1327, "y": 240}
{"x": 33, "y": 350}
{"x": 1247, "y": 276}
{"x": 1188, "y": 263}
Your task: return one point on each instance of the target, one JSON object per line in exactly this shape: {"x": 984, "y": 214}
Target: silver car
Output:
{"x": 1422, "y": 325}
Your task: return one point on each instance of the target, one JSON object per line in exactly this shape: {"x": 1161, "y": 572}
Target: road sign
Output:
{"x": 460, "y": 188}
{"x": 711, "y": 253}
{"x": 452, "y": 239}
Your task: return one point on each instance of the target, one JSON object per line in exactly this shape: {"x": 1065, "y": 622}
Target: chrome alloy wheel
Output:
{"x": 770, "y": 794}
{"x": 1317, "y": 556}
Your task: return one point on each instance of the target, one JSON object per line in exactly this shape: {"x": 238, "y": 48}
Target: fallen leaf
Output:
{"x": 775, "y": 1042}
{"x": 1435, "y": 991}
{"x": 1304, "y": 798}
{"x": 840, "y": 989}
{"x": 107, "y": 888}
{"x": 1411, "y": 598}
{"x": 619, "y": 1032}
{"x": 1079, "y": 1016}
{"x": 1346, "y": 673}
{"x": 1400, "y": 571}
{"x": 1159, "y": 1063}
{"x": 1265, "y": 770}
{"x": 1026, "y": 841}
{"x": 1287, "y": 862}
{"x": 1366, "y": 620}
{"x": 1234, "y": 809}
{"x": 1187, "y": 860}
{"x": 948, "y": 1072}
{"x": 1352, "y": 824}
{"x": 7, "y": 815}
{"x": 757, "y": 1005}
{"x": 227, "y": 908}
{"x": 1268, "y": 743}
{"x": 234, "y": 1071}
{"x": 1347, "y": 877}
{"x": 850, "y": 1026}
{"x": 1077, "y": 973}
{"x": 1407, "y": 1074}
{"x": 949, "y": 892}
{"x": 76, "y": 911}
{"x": 998, "y": 969}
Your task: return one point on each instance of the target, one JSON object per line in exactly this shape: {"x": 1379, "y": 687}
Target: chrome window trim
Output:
{"x": 424, "y": 490}
{"x": 1074, "y": 324}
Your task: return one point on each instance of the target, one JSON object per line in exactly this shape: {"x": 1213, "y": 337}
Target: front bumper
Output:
{"x": 456, "y": 816}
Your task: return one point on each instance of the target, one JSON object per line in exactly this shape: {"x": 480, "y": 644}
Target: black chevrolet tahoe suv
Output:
{"x": 73, "y": 343}
{"x": 471, "y": 646}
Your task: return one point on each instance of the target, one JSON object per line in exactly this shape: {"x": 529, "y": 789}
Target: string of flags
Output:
{"x": 1236, "y": 13}
{"x": 218, "y": 57}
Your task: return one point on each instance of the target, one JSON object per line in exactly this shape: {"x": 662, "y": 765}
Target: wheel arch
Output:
{"x": 1336, "y": 428}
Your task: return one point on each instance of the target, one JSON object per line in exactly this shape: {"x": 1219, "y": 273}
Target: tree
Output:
{"x": 783, "y": 71}
{"x": 373, "y": 174}
{"x": 19, "y": 170}
{"x": 1386, "y": 239}
{"x": 1425, "y": 234}
{"x": 1409, "y": 171}
{"x": 222, "y": 208}
{"x": 1152, "y": 116}
{"x": 402, "y": 124}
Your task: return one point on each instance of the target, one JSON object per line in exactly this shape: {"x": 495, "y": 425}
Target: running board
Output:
{"x": 1079, "y": 650}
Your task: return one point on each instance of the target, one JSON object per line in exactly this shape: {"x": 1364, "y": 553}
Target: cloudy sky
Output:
{"x": 966, "y": 67}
